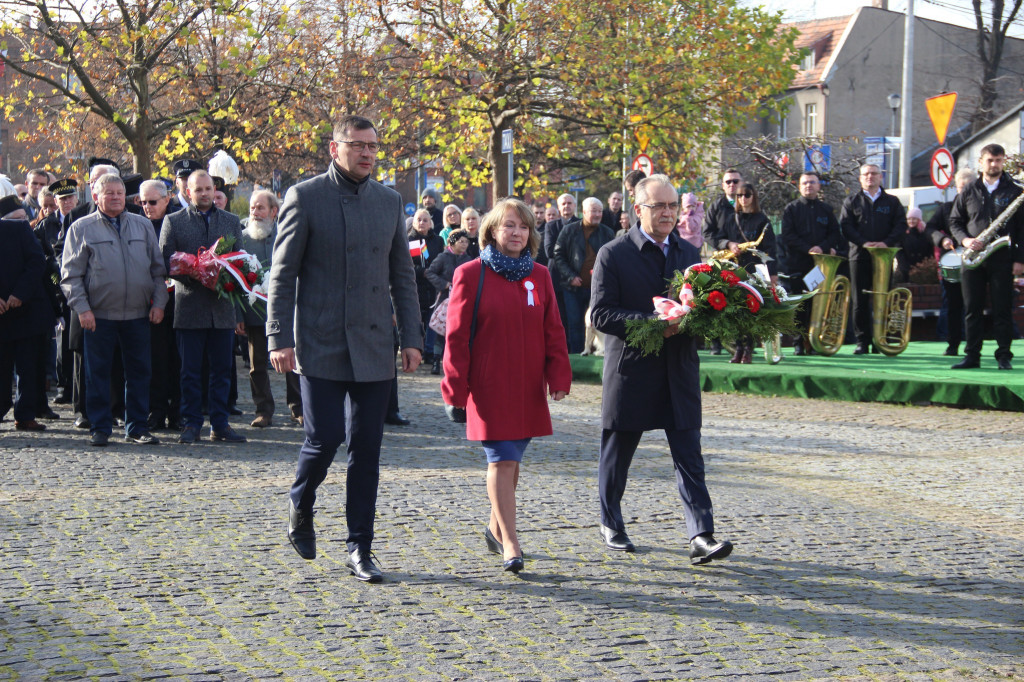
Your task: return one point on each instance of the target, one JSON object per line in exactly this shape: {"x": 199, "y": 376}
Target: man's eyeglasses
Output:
{"x": 150, "y": 202}
{"x": 732, "y": 182}
{"x": 661, "y": 206}
{"x": 360, "y": 146}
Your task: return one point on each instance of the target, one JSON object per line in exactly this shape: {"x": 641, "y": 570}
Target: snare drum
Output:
{"x": 949, "y": 266}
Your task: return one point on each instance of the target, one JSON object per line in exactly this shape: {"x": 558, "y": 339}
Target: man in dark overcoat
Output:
{"x": 25, "y": 316}
{"x": 654, "y": 392}
{"x": 341, "y": 258}
{"x": 203, "y": 321}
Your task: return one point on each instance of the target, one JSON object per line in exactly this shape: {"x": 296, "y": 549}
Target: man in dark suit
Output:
{"x": 204, "y": 323}
{"x": 653, "y": 392}
{"x": 25, "y": 315}
{"x": 340, "y": 260}
{"x": 870, "y": 218}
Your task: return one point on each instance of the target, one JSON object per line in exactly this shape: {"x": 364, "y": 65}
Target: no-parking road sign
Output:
{"x": 942, "y": 168}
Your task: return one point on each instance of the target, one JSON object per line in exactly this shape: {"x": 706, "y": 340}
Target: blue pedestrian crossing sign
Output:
{"x": 410, "y": 208}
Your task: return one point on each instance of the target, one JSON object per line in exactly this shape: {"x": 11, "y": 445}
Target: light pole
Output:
{"x": 894, "y": 104}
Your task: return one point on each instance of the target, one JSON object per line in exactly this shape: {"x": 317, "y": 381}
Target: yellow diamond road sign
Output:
{"x": 940, "y": 110}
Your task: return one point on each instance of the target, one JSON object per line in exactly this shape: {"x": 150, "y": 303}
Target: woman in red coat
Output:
{"x": 518, "y": 357}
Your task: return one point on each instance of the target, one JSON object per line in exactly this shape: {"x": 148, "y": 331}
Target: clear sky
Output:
{"x": 949, "y": 11}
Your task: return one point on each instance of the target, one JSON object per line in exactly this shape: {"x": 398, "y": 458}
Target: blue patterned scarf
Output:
{"x": 512, "y": 269}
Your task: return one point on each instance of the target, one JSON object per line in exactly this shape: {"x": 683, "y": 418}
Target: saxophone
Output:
{"x": 971, "y": 258}
{"x": 726, "y": 254}
{"x": 830, "y": 307}
{"x": 890, "y": 310}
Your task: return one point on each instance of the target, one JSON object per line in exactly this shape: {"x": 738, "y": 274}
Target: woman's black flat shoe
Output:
{"x": 515, "y": 564}
{"x": 492, "y": 542}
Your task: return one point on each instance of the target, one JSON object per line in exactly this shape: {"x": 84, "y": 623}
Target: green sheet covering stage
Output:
{"x": 920, "y": 375}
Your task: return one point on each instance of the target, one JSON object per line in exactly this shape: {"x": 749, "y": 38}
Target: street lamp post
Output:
{"x": 894, "y": 104}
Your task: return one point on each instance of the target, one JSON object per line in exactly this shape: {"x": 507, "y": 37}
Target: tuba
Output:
{"x": 830, "y": 307}
{"x": 890, "y": 310}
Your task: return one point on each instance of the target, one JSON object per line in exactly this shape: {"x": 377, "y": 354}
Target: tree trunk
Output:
{"x": 499, "y": 167}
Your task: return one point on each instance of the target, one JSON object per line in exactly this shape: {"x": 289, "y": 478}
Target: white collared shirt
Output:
{"x": 875, "y": 196}
{"x": 661, "y": 245}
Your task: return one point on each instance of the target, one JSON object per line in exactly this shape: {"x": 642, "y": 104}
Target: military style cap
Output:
{"x": 98, "y": 161}
{"x": 132, "y": 183}
{"x": 10, "y": 204}
{"x": 65, "y": 187}
{"x": 218, "y": 183}
{"x": 185, "y": 167}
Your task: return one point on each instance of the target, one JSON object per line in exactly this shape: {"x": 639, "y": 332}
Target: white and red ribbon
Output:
{"x": 752, "y": 290}
{"x": 227, "y": 261}
{"x": 670, "y": 310}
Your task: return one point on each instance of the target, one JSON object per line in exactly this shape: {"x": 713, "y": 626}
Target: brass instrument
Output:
{"x": 773, "y": 349}
{"x": 890, "y": 310}
{"x": 830, "y": 307}
{"x": 971, "y": 258}
{"x": 726, "y": 254}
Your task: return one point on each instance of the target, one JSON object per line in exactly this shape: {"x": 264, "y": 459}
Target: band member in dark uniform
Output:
{"x": 952, "y": 313}
{"x": 973, "y": 210}
{"x": 869, "y": 218}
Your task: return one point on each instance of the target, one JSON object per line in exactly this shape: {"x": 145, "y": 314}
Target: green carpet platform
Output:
{"x": 919, "y": 375}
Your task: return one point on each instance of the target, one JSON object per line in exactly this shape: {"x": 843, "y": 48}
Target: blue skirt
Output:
{"x": 505, "y": 450}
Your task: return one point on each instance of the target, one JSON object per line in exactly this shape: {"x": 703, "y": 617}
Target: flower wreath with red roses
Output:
{"x": 717, "y": 300}
{"x": 235, "y": 275}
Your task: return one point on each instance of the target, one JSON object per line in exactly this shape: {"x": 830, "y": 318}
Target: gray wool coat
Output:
{"x": 195, "y": 306}
{"x": 340, "y": 260}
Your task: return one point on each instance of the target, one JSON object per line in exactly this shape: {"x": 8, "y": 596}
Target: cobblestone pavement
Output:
{"x": 873, "y": 542}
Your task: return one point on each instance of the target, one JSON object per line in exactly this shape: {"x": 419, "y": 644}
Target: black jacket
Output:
{"x": 974, "y": 209}
{"x": 747, "y": 227}
{"x": 442, "y": 271}
{"x": 551, "y": 231}
{"x": 424, "y": 289}
{"x": 22, "y": 269}
{"x": 642, "y": 393}
{"x": 570, "y": 250}
{"x": 714, "y": 220}
{"x": 861, "y": 220}
{"x": 806, "y": 224}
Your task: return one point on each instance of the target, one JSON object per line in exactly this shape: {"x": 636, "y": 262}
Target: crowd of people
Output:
{"x": 495, "y": 303}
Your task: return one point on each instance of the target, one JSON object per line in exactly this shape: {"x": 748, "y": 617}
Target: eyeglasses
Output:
{"x": 746, "y": 195}
{"x": 733, "y": 182}
{"x": 360, "y": 146}
{"x": 150, "y": 202}
{"x": 661, "y": 206}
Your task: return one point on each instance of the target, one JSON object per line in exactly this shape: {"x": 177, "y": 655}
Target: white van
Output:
{"x": 928, "y": 198}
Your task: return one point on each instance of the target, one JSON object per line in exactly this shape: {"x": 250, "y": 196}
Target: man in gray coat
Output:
{"x": 203, "y": 321}
{"x": 112, "y": 275}
{"x": 340, "y": 260}
{"x": 258, "y": 239}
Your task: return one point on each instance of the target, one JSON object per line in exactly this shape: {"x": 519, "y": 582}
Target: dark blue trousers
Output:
{"x": 577, "y": 300}
{"x": 617, "y": 449}
{"x": 217, "y": 344}
{"x": 133, "y": 338}
{"x": 22, "y": 358}
{"x": 331, "y": 411}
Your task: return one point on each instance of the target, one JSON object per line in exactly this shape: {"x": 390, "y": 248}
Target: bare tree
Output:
{"x": 991, "y": 40}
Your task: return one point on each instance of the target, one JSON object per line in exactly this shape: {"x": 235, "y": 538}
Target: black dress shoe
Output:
{"x": 1003, "y": 363}
{"x": 189, "y": 434}
{"x": 301, "y": 533}
{"x": 967, "y": 363}
{"x": 62, "y": 400}
{"x": 513, "y": 565}
{"x": 142, "y": 438}
{"x": 48, "y": 413}
{"x": 228, "y": 435}
{"x": 704, "y": 548}
{"x": 99, "y": 438}
{"x": 82, "y": 422}
{"x": 173, "y": 424}
{"x": 952, "y": 351}
{"x": 360, "y": 563}
{"x": 617, "y": 540}
{"x": 234, "y": 411}
{"x": 155, "y": 423}
{"x": 436, "y": 367}
{"x": 492, "y": 542}
{"x": 861, "y": 349}
{"x": 396, "y": 419}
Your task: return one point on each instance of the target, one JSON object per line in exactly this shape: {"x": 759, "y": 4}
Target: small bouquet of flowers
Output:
{"x": 717, "y": 300}
{"x": 235, "y": 275}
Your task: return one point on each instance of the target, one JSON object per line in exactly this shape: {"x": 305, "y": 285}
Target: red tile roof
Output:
{"x": 822, "y": 36}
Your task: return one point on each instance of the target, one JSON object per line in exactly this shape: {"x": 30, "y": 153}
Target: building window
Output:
{"x": 783, "y": 126}
{"x": 811, "y": 120}
{"x": 807, "y": 63}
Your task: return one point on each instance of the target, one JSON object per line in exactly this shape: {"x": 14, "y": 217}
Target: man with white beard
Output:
{"x": 258, "y": 239}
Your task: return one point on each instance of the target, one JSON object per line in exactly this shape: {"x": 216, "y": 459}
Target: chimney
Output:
{"x": 880, "y": 4}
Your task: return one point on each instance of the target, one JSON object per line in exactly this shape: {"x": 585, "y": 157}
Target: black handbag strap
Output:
{"x": 476, "y": 305}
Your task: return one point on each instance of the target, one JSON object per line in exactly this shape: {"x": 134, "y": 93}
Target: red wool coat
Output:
{"x": 519, "y": 354}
